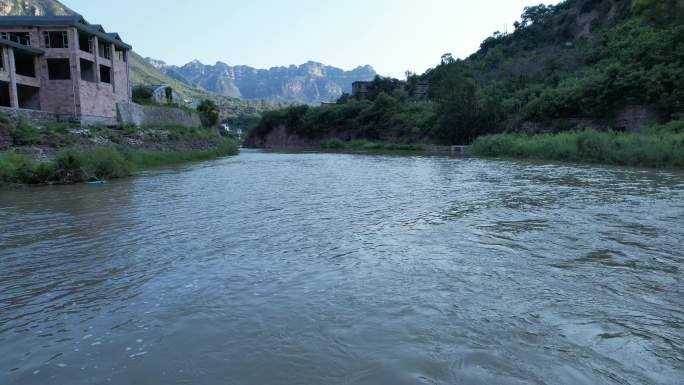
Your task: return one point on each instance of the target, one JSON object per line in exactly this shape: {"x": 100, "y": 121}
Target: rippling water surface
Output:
{"x": 346, "y": 269}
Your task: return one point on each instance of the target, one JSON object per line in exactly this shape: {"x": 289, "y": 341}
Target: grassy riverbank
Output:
{"x": 659, "y": 146}
{"x": 366, "y": 145}
{"x": 75, "y": 165}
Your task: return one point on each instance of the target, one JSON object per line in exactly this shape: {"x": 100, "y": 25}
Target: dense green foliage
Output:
{"x": 75, "y": 165}
{"x": 580, "y": 58}
{"x": 142, "y": 94}
{"x": 365, "y": 145}
{"x": 209, "y": 113}
{"x": 661, "y": 146}
{"x": 389, "y": 117}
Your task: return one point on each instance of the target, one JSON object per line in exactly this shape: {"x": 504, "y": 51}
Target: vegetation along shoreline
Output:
{"x": 597, "y": 82}
{"x": 63, "y": 154}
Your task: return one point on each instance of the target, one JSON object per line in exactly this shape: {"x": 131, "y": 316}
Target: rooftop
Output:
{"x": 65, "y": 21}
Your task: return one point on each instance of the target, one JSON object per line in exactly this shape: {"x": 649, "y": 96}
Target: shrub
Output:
{"x": 654, "y": 148}
{"x": 17, "y": 168}
{"x": 142, "y": 94}
{"x": 209, "y": 113}
{"x": 333, "y": 144}
{"x": 24, "y": 133}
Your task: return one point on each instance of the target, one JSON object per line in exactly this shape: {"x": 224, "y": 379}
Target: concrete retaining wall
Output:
{"x": 131, "y": 113}
{"x": 39, "y": 118}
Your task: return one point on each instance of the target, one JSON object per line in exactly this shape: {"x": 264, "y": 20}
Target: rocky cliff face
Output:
{"x": 308, "y": 83}
{"x": 34, "y": 8}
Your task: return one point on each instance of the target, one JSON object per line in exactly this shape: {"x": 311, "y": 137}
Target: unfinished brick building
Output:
{"x": 63, "y": 65}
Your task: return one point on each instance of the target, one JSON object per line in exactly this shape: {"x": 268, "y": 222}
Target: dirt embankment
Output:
{"x": 45, "y": 143}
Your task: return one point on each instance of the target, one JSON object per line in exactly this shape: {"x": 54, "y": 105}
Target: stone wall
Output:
{"x": 39, "y": 118}
{"x": 58, "y": 96}
{"x": 634, "y": 118}
{"x": 120, "y": 78}
{"x": 131, "y": 113}
{"x": 627, "y": 119}
{"x": 97, "y": 99}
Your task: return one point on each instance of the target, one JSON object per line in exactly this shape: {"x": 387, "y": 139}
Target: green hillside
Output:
{"x": 579, "y": 61}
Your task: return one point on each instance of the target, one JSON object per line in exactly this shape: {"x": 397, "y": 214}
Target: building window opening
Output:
{"x": 105, "y": 50}
{"x": 29, "y": 97}
{"x": 23, "y": 38}
{"x": 2, "y": 59}
{"x": 5, "y": 95}
{"x": 59, "y": 69}
{"x": 85, "y": 42}
{"x": 105, "y": 74}
{"x": 56, "y": 39}
{"x": 24, "y": 64}
{"x": 87, "y": 71}
{"x": 121, "y": 55}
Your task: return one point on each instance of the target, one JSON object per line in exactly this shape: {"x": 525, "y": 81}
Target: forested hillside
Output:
{"x": 581, "y": 62}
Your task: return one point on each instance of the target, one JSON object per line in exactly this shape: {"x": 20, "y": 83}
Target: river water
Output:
{"x": 270, "y": 268}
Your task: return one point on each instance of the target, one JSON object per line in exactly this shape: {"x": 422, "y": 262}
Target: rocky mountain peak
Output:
{"x": 311, "y": 82}
{"x": 34, "y": 8}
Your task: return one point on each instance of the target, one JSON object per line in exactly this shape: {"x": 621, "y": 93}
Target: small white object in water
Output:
{"x": 62, "y": 365}
{"x": 88, "y": 336}
{"x": 128, "y": 349}
{"x": 36, "y": 372}
{"x": 96, "y": 343}
{"x": 139, "y": 340}
{"x": 137, "y": 354}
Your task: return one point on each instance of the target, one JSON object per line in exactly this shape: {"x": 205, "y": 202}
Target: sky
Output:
{"x": 391, "y": 35}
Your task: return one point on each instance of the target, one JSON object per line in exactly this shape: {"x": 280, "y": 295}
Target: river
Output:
{"x": 275, "y": 268}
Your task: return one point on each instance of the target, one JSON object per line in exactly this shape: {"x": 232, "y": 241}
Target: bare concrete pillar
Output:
{"x": 127, "y": 60}
{"x": 112, "y": 76}
{"x": 14, "y": 96}
{"x": 96, "y": 42}
{"x": 75, "y": 71}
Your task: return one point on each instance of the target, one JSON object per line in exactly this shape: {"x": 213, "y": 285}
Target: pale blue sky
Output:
{"x": 391, "y": 35}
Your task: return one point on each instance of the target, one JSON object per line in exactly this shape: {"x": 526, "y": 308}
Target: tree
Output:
{"x": 457, "y": 105}
{"x": 534, "y": 15}
{"x": 448, "y": 58}
{"x": 209, "y": 113}
{"x": 660, "y": 11}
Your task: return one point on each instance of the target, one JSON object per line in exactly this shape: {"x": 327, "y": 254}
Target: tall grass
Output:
{"x": 366, "y": 145}
{"x": 97, "y": 163}
{"x": 660, "y": 146}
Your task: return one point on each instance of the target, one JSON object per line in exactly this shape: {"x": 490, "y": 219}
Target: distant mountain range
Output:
{"x": 310, "y": 82}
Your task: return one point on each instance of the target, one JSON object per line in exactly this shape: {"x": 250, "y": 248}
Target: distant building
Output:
{"x": 328, "y": 104}
{"x": 422, "y": 89}
{"x": 230, "y": 131}
{"x": 360, "y": 90}
{"x": 164, "y": 94}
{"x": 63, "y": 65}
